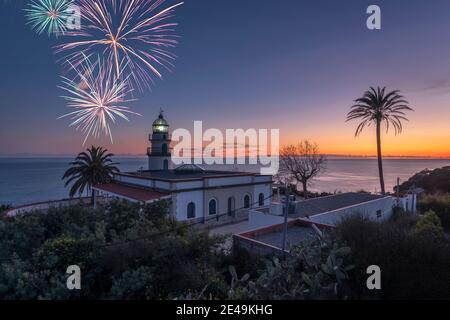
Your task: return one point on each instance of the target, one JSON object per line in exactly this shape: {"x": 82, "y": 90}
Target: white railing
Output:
{"x": 47, "y": 205}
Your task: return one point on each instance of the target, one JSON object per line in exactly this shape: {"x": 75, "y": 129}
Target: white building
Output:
{"x": 332, "y": 209}
{"x": 194, "y": 193}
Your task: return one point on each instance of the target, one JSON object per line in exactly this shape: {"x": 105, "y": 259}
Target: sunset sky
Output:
{"x": 291, "y": 65}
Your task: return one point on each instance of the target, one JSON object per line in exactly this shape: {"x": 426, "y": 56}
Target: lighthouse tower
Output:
{"x": 159, "y": 157}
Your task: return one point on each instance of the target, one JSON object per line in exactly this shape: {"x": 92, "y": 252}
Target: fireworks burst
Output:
{"x": 97, "y": 95}
{"x": 136, "y": 31}
{"x": 50, "y": 15}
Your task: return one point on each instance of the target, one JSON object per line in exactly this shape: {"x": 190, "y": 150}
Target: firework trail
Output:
{"x": 50, "y": 15}
{"x": 97, "y": 95}
{"x": 136, "y": 31}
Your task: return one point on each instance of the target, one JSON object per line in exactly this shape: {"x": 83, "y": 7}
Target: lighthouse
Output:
{"x": 159, "y": 157}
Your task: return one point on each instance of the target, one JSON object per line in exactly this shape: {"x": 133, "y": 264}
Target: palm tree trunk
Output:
{"x": 380, "y": 160}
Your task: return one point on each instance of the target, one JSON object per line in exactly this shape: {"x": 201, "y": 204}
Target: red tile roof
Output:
{"x": 135, "y": 193}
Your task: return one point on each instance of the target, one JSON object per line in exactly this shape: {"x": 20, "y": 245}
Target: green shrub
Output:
{"x": 440, "y": 204}
{"x": 64, "y": 251}
{"x": 430, "y": 224}
{"x": 4, "y": 207}
{"x": 413, "y": 265}
{"x": 315, "y": 269}
{"x": 124, "y": 251}
{"x": 134, "y": 285}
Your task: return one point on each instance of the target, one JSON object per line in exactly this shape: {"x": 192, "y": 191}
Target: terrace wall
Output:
{"x": 379, "y": 209}
{"x": 247, "y": 241}
{"x": 49, "y": 204}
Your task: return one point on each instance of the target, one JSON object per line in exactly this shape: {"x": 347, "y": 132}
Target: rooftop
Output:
{"x": 131, "y": 192}
{"x": 298, "y": 231}
{"x": 185, "y": 175}
{"x": 330, "y": 203}
{"x": 295, "y": 235}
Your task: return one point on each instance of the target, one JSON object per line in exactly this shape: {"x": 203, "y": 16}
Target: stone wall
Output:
{"x": 49, "y": 204}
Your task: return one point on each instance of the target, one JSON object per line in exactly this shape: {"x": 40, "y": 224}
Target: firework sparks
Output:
{"x": 97, "y": 95}
{"x": 136, "y": 31}
{"x": 50, "y": 15}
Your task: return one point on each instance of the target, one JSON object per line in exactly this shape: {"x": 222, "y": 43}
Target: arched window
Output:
{"x": 230, "y": 206}
{"x": 261, "y": 199}
{"x": 166, "y": 164}
{"x": 247, "y": 201}
{"x": 212, "y": 207}
{"x": 164, "y": 148}
{"x": 191, "y": 210}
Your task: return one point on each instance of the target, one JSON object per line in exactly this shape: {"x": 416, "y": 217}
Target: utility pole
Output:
{"x": 286, "y": 213}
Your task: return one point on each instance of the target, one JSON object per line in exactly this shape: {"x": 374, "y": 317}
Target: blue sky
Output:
{"x": 289, "y": 64}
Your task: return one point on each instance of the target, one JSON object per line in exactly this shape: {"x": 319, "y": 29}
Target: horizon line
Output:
{"x": 46, "y": 155}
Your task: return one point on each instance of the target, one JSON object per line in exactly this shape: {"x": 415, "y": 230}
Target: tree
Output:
{"x": 414, "y": 265}
{"x": 431, "y": 224}
{"x": 302, "y": 163}
{"x": 378, "y": 107}
{"x": 4, "y": 207}
{"x": 92, "y": 167}
{"x": 439, "y": 204}
{"x": 123, "y": 249}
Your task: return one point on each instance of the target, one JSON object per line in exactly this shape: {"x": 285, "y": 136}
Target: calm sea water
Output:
{"x": 27, "y": 180}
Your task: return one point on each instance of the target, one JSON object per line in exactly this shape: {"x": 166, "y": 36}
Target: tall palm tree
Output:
{"x": 92, "y": 167}
{"x": 378, "y": 107}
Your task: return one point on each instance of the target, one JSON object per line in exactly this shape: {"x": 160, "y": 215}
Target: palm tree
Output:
{"x": 90, "y": 168}
{"x": 377, "y": 107}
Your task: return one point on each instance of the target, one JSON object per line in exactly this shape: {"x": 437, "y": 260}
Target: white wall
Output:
{"x": 188, "y": 184}
{"x": 220, "y": 182}
{"x": 277, "y": 209}
{"x": 47, "y": 205}
{"x": 266, "y": 189}
{"x": 164, "y": 185}
{"x": 258, "y": 219}
{"x": 181, "y": 201}
{"x": 409, "y": 202}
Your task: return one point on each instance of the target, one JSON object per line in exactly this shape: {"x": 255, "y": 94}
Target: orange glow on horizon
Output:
{"x": 357, "y": 147}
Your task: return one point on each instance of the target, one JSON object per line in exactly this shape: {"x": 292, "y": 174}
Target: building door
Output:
{"x": 261, "y": 199}
{"x": 166, "y": 164}
{"x": 231, "y": 206}
{"x": 247, "y": 201}
{"x": 191, "y": 210}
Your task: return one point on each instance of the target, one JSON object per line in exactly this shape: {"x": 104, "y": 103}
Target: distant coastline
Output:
{"x": 126, "y": 155}
{"x": 30, "y": 179}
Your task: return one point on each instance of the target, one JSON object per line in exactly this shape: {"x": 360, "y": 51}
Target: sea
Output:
{"x": 34, "y": 179}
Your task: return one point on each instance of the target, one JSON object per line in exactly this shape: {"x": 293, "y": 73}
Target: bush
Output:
{"x": 124, "y": 251}
{"x": 440, "y": 204}
{"x": 432, "y": 181}
{"x": 430, "y": 224}
{"x": 4, "y": 207}
{"x": 64, "y": 251}
{"x": 413, "y": 265}
{"x": 315, "y": 269}
{"x": 134, "y": 285}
